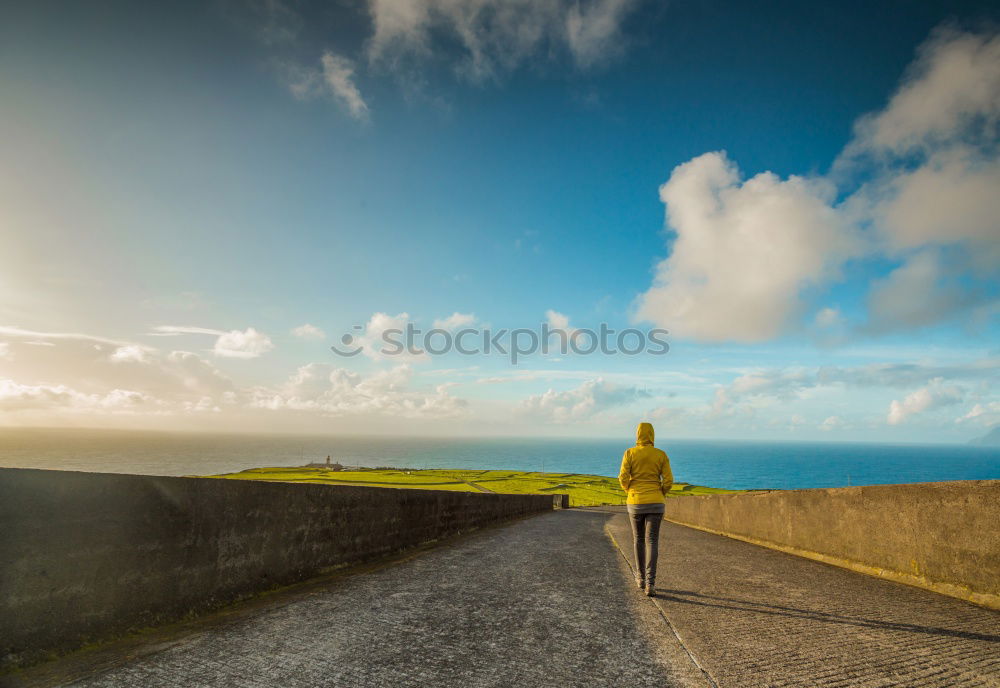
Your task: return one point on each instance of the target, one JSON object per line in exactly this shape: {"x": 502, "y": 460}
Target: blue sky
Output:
{"x": 802, "y": 194}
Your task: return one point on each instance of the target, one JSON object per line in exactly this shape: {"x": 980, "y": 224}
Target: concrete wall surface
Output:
{"x": 940, "y": 536}
{"x": 87, "y": 556}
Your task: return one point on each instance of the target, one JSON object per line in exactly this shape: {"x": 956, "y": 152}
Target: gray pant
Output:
{"x": 645, "y": 537}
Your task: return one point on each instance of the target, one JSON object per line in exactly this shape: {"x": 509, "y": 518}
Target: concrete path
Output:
{"x": 543, "y": 601}
{"x": 752, "y": 616}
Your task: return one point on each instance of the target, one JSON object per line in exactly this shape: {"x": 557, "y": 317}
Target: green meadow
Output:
{"x": 583, "y": 490}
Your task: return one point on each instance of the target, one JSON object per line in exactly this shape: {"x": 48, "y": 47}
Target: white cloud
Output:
{"x": 334, "y": 77}
{"x": 587, "y": 400}
{"x": 308, "y": 331}
{"x": 593, "y": 30}
{"x": 924, "y": 399}
{"x": 916, "y": 293}
{"x": 986, "y": 415}
{"x": 177, "y": 330}
{"x": 46, "y": 338}
{"x": 338, "y": 75}
{"x": 322, "y": 388}
{"x": 783, "y": 384}
{"x": 497, "y": 36}
{"x": 831, "y": 423}
{"x": 743, "y": 251}
{"x": 906, "y": 375}
{"x": 131, "y": 353}
{"x": 746, "y": 251}
{"x": 949, "y": 199}
{"x": 782, "y": 387}
{"x": 88, "y": 367}
{"x": 455, "y": 321}
{"x": 951, "y": 87}
{"x": 559, "y": 324}
{"x": 15, "y": 397}
{"x": 516, "y": 376}
{"x": 196, "y": 375}
{"x": 932, "y": 156}
{"x": 246, "y": 344}
{"x": 383, "y": 338}
{"x": 558, "y": 321}
{"x": 5, "y": 350}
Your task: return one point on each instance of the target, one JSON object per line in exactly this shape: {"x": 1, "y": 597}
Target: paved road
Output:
{"x": 752, "y": 616}
{"x": 544, "y": 601}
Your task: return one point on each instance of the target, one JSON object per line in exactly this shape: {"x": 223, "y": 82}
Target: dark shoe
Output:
{"x": 641, "y": 583}
{"x": 651, "y": 589}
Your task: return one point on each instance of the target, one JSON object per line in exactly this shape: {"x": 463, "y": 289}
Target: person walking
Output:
{"x": 645, "y": 476}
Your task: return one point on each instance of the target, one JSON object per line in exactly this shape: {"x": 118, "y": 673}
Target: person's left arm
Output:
{"x": 625, "y": 474}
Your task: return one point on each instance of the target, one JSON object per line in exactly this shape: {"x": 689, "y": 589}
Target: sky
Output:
{"x": 197, "y": 200}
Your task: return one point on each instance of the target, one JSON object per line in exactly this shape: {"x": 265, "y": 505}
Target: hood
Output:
{"x": 644, "y": 435}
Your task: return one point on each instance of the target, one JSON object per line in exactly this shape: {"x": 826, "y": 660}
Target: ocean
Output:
{"x": 730, "y": 464}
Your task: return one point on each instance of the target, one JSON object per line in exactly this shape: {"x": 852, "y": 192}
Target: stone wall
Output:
{"x": 87, "y": 556}
{"x": 941, "y": 536}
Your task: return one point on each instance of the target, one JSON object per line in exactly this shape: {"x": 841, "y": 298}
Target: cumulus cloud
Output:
{"x": 919, "y": 292}
{"x": 950, "y": 91}
{"x": 74, "y": 377}
{"x": 940, "y": 384}
{"x": 831, "y": 423}
{"x": 790, "y": 383}
{"x": 587, "y": 400}
{"x": 195, "y": 374}
{"x": 332, "y": 391}
{"x": 455, "y": 321}
{"x": 308, "y": 331}
{"x": 949, "y": 199}
{"x": 558, "y": 321}
{"x": 743, "y": 250}
{"x": 559, "y": 325}
{"x": 132, "y": 352}
{"x": 932, "y": 201}
{"x": 924, "y": 399}
{"x": 982, "y": 414}
{"x": 383, "y": 338}
{"x": 248, "y": 343}
{"x": 497, "y": 36}
{"x": 15, "y": 397}
{"x": 82, "y": 374}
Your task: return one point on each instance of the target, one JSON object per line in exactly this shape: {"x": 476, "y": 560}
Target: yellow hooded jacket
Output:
{"x": 645, "y": 474}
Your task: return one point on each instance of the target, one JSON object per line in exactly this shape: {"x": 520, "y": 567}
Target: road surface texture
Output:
{"x": 753, "y": 616}
{"x": 544, "y": 601}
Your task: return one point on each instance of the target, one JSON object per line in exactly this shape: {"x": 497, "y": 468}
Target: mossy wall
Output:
{"x": 87, "y": 556}
{"x": 940, "y": 536}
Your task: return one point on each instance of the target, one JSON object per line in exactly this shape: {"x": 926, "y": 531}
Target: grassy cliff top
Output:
{"x": 583, "y": 490}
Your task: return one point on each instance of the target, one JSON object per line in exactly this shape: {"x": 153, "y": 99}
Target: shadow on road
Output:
{"x": 690, "y": 597}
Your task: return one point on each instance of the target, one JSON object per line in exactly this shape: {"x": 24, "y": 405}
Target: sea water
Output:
{"x": 730, "y": 464}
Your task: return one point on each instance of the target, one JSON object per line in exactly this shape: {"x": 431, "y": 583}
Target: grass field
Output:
{"x": 583, "y": 490}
